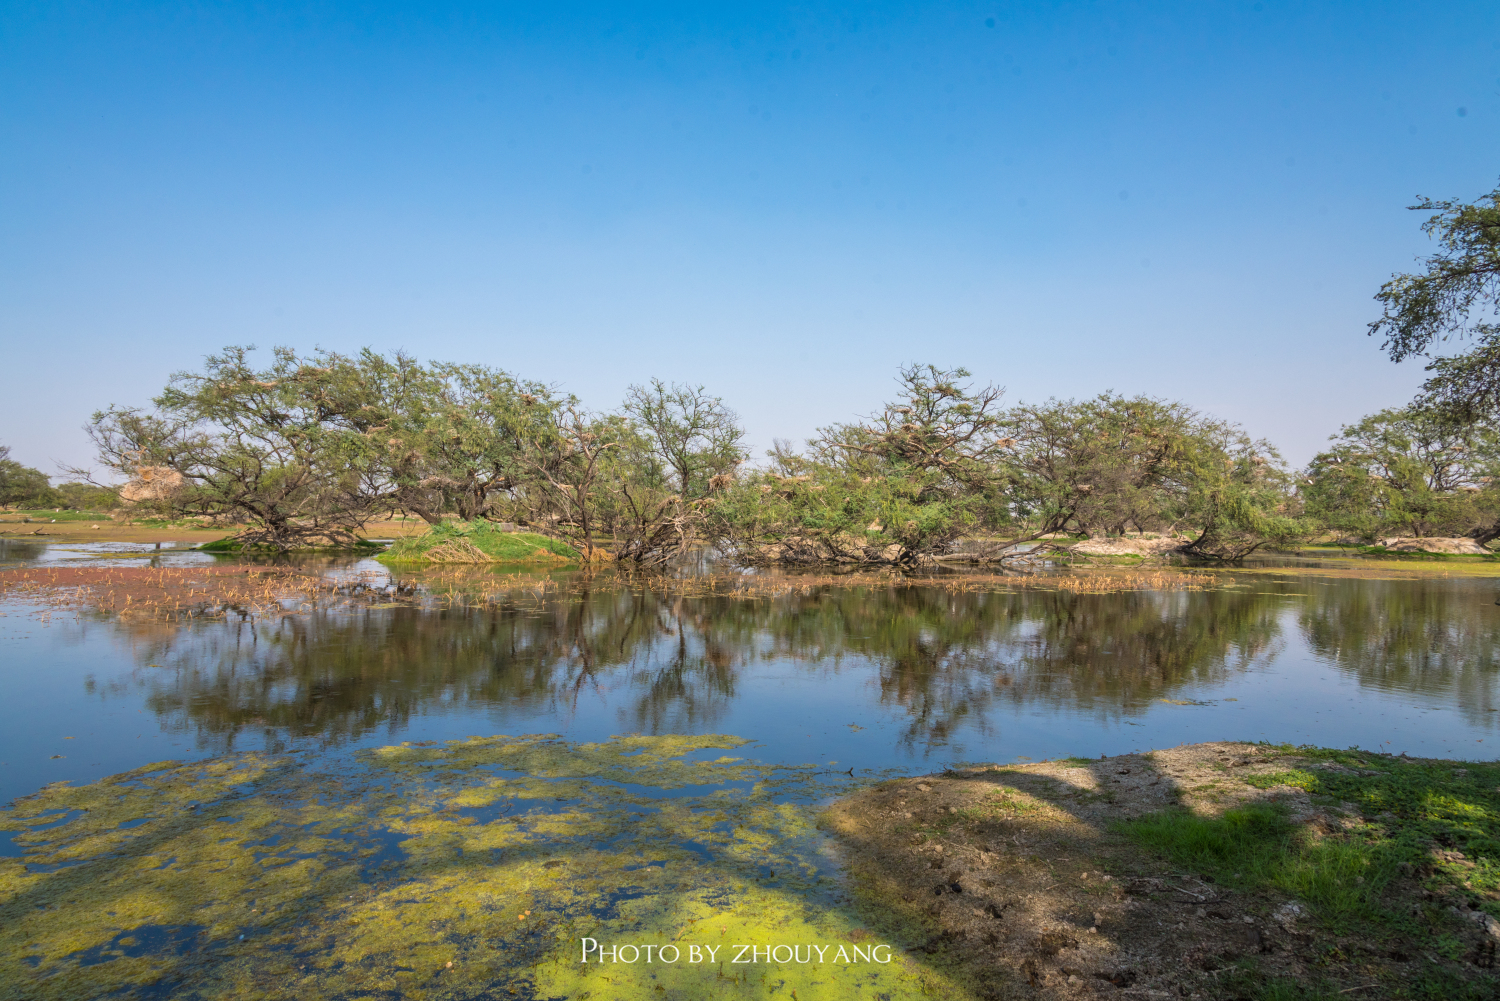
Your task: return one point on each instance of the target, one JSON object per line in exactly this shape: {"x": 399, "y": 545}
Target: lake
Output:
{"x": 868, "y": 677}
{"x": 331, "y": 779}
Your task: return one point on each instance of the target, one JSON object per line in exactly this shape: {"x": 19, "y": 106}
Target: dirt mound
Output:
{"x": 1023, "y": 879}
{"x": 1128, "y": 546}
{"x": 1463, "y": 546}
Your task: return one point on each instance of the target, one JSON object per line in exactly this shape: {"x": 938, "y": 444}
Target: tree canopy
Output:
{"x": 1460, "y": 280}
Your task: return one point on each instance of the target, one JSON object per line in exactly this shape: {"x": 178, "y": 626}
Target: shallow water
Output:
{"x": 867, "y": 678}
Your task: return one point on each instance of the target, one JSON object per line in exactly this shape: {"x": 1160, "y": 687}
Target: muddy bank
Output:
{"x": 1218, "y": 870}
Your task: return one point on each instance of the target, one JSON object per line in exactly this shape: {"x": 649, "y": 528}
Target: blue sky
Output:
{"x": 1191, "y": 200}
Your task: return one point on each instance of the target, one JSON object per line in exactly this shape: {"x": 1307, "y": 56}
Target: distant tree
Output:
{"x": 1101, "y": 466}
{"x": 451, "y": 439}
{"x": 692, "y": 434}
{"x": 88, "y": 497}
{"x": 566, "y": 463}
{"x": 1242, "y": 498}
{"x": 277, "y": 449}
{"x": 945, "y": 463}
{"x": 1408, "y": 471}
{"x": 22, "y": 486}
{"x": 904, "y": 482}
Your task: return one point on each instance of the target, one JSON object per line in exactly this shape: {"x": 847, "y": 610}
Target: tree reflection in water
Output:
{"x": 1438, "y": 638}
{"x": 667, "y": 663}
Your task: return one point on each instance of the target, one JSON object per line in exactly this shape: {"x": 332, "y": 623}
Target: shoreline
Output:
{"x": 1212, "y": 870}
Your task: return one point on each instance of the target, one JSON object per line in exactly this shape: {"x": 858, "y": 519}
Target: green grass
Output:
{"x": 1411, "y": 809}
{"x": 1247, "y": 981}
{"x": 451, "y": 539}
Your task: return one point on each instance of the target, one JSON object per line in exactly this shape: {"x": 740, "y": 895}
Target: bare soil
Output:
{"x": 1020, "y": 882}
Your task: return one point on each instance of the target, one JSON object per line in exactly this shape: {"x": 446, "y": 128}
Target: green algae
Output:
{"x": 476, "y": 867}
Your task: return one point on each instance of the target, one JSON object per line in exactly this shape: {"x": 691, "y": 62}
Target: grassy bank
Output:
{"x": 476, "y": 542}
{"x": 1238, "y": 872}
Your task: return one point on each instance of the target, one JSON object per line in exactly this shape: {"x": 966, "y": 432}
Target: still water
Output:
{"x": 912, "y": 678}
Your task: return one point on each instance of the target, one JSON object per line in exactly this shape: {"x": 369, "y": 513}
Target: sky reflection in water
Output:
{"x": 912, "y": 678}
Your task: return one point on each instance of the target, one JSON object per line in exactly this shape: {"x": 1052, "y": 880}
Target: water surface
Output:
{"x": 911, "y": 677}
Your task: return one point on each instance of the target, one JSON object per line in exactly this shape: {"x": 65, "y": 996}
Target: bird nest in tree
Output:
{"x": 152, "y": 483}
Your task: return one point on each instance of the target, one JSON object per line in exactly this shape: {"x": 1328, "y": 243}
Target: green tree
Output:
{"x": 1099, "y": 466}
{"x": 1461, "y": 279}
{"x": 22, "y": 486}
{"x": 567, "y": 463}
{"x": 1408, "y": 471}
{"x": 1242, "y": 498}
{"x": 451, "y": 439}
{"x": 900, "y": 484}
{"x": 693, "y": 435}
{"x": 1455, "y": 295}
{"x": 277, "y": 449}
{"x": 76, "y": 496}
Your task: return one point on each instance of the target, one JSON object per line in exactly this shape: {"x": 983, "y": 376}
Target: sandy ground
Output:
{"x": 1022, "y": 884}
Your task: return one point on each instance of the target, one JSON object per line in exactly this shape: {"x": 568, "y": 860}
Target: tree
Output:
{"x": 278, "y": 449}
{"x": 1464, "y": 276}
{"x": 1456, "y": 295}
{"x": 1408, "y": 471}
{"x": 76, "y": 496}
{"x": 694, "y": 435}
{"x": 565, "y": 461}
{"x": 1099, "y": 466}
{"x": 450, "y": 438}
{"x": 22, "y": 486}
{"x": 1242, "y": 498}
{"x": 898, "y": 485}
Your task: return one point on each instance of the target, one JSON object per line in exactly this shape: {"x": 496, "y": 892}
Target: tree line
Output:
{"x": 309, "y": 449}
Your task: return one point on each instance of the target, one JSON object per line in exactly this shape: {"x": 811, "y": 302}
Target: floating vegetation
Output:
{"x": 453, "y": 870}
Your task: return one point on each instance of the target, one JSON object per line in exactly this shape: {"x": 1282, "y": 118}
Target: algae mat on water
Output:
{"x": 475, "y": 868}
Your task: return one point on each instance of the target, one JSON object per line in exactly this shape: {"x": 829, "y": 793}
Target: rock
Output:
{"x": 1486, "y": 922}
{"x": 1287, "y": 914}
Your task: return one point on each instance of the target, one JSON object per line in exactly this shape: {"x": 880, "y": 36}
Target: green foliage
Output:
{"x": 22, "y": 486}
{"x": 477, "y": 542}
{"x": 272, "y": 447}
{"x": 908, "y": 480}
{"x": 1464, "y": 276}
{"x": 1409, "y": 471}
{"x": 88, "y": 497}
{"x": 946, "y": 462}
{"x": 694, "y": 436}
{"x": 451, "y": 438}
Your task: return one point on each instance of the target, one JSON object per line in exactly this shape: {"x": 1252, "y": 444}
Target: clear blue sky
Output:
{"x": 1193, "y": 200}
